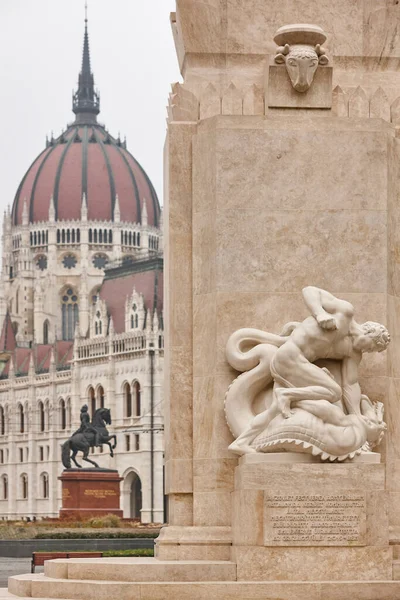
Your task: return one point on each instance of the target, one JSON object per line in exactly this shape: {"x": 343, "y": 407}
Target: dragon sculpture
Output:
{"x": 299, "y": 391}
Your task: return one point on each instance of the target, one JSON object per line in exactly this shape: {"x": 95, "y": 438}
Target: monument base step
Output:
{"x": 139, "y": 569}
{"x": 40, "y": 586}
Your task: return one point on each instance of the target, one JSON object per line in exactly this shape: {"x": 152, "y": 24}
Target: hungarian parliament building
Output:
{"x": 81, "y": 316}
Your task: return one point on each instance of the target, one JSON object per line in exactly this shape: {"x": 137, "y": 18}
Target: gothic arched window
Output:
{"x": 24, "y": 486}
{"x": 70, "y": 314}
{"x": 2, "y": 422}
{"x": 100, "y": 396}
{"x": 4, "y": 481}
{"x": 46, "y": 332}
{"x": 128, "y": 400}
{"x": 137, "y": 398}
{"x": 68, "y": 412}
{"x": 41, "y": 416}
{"x": 44, "y": 485}
{"x": 63, "y": 414}
{"x": 21, "y": 418}
{"x": 92, "y": 401}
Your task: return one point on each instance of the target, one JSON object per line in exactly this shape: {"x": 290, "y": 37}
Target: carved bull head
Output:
{"x": 301, "y": 63}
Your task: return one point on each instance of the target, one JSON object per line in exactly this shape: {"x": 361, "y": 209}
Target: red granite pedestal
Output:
{"x": 90, "y": 493}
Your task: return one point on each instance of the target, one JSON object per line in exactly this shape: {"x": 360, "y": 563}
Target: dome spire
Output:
{"x": 86, "y": 101}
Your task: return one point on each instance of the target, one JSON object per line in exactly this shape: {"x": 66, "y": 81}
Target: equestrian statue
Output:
{"x": 89, "y": 435}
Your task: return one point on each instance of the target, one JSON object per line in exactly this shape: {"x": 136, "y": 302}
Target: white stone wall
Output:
{"x": 51, "y": 388}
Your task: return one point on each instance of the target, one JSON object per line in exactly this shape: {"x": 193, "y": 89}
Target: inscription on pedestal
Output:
{"x": 100, "y": 493}
{"x": 315, "y": 520}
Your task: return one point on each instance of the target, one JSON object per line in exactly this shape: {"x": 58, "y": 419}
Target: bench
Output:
{"x": 38, "y": 558}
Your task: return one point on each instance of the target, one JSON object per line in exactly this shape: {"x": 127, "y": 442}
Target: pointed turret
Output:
{"x": 52, "y": 362}
{"x": 111, "y": 328}
{"x": 25, "y": 218}
{"x": 144, "y": 239}
{"x": 31, "y": 364}
{"x": 84, "y": 208}
{"x": 7, "y": 220}
{"x": 7, "y": 337}
{"x": 52, "y": 210}
{"x": 145, "y": 219}
{"x": 155, "y": 321}
{"x": 11, "y": 371}
{"x": 117, "y": 210}
{"x": 86, "y": 101}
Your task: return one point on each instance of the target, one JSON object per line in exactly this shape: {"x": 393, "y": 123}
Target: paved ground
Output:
{"x": 14, "y": 566}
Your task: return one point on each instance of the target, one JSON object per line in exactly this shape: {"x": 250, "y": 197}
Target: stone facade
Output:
{"x": 48, "y": 399}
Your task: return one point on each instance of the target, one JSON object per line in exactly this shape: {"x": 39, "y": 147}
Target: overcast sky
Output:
{"x": 133, "y": 61}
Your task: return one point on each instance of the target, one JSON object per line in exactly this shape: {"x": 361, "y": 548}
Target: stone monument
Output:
{"x": 282, "y": 172}
{"x": 89, "y": 492}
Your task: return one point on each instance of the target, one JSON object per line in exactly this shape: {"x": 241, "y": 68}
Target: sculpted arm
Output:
{"x": 323, "y": 305}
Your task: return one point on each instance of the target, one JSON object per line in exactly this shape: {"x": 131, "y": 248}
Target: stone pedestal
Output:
{"x": 294, "y": 518}
{"x": 90, "y": 493}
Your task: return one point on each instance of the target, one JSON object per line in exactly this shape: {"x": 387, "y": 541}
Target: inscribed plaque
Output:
{"x": 315, "y": 520}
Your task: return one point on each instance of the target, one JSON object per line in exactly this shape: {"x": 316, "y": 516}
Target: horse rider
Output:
{"x": 86, "y": 425}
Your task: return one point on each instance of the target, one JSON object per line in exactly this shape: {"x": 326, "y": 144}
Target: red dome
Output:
{"x": 86, "y": 159}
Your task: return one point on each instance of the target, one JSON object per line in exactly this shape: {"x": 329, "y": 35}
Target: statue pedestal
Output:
{"x": 90, "y": 493}
{"x": 297, "y": 519}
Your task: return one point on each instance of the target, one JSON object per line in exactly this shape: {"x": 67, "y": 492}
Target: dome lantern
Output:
{"x": 86, "y": 101}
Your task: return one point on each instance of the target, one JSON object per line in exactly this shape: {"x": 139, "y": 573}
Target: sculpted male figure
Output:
{"x": 86, "y": 424}
{"x": 330, "y": 333}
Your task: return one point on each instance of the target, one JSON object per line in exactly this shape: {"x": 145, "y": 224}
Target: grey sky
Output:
{"x": 133, "y": 60}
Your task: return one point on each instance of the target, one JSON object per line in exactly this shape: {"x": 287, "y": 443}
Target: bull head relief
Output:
{"x": 301, "y": 51}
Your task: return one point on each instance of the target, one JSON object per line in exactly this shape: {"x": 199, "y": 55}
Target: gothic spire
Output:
{"x": 86, "y": 101}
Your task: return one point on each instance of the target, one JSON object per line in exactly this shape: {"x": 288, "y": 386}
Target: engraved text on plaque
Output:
{"x": 315, "y": 520}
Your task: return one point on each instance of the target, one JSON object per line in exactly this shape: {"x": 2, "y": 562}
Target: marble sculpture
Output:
{"x": 299, "y": 391}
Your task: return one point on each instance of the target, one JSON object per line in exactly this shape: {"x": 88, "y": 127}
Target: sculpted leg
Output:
{"x": 303, "y": 381}
{"x": 242, "y": 444}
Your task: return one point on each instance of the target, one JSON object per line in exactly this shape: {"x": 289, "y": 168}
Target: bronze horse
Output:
{"x": 82, "y": 442}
